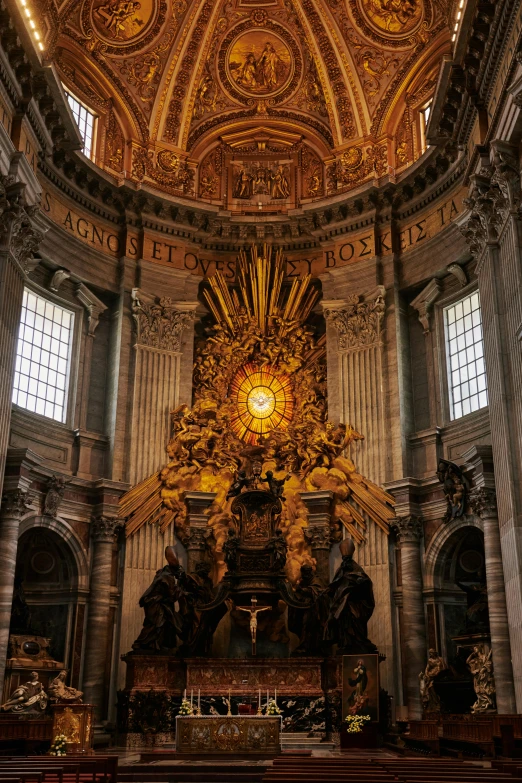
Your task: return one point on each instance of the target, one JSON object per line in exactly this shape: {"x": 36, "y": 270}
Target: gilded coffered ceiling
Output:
{"x": 263, "y": 104}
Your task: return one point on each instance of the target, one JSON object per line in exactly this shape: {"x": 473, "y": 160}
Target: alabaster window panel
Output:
{"x": 43, "y": 358}
{"x": 85, "y": 120}
{"x": 467, "y": 380}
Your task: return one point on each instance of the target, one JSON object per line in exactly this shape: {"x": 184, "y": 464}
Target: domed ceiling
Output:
{"x": 255, "y": 106}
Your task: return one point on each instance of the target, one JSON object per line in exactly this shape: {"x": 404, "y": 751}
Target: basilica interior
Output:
{"x": 260, "y": 390}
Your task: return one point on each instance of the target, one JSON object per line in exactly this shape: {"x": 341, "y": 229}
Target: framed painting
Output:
{"x": 361, "y": 686}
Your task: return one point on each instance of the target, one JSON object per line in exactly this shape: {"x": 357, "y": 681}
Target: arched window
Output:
{"x": 86, "y": 121}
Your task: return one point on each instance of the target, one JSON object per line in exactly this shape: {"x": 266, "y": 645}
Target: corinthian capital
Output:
{"x": 18, "y": 224}
{"x": 105, "y": 528}
{"x": 488, "y": 207}
{"x": 158, "y": 323}
{"x": 408, "y": 529}
{"x": 358, "y": 320}
{"x": 483, "y": 502}
{"x": 15, "y": 503}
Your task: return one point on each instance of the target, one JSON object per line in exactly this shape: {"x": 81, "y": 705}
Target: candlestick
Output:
{"x": 185, "y": 695}
{"x": 199, "y": 701}
{"x": 267, "y": 701}
{"x": 275, "y": 697}
{"x": 191, "y": 697}
{"x": 259, "y": 711}
{"x": 229, "y": 704}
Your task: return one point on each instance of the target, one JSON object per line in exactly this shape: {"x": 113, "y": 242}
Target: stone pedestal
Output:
{"x": 146, "y": 671}
{"x": 76, "y": 723}
{"x": 367, "y": 738}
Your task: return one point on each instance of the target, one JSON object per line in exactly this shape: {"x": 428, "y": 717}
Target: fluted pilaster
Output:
{"x": 197, "y": 504}
{"x": 319, "y": 507}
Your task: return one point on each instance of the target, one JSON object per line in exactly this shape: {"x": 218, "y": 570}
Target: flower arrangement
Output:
{"x": 272, "y": 708}
{"x": 356, "y": 723}
{"x": 185, "y": 708}
{"x": 59, "y": 746}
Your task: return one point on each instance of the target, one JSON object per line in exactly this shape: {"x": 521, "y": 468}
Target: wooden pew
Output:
{"x": 461, "y": 733}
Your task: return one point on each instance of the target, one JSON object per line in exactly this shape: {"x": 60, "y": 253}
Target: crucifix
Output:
{"x": 253, "y": 610}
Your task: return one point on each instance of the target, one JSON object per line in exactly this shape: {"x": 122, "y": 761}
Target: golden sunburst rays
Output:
{"x": 264, "y": 402}
{"x": 262, "y": 296}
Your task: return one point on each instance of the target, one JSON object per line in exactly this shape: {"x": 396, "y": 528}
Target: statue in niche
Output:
{"x": 308, "y": 624}
{"x": 477, "y": 614}
{"x": 278, "y": 546}
{"x": 279, "y": 185}
{"x": 163, "y": 626}
{"x": 351, "y": 604}
{"x": 277, "y": 486}
{"x": 481, "y": 667}
{"x": 62, "y": 693}
{"x": 454, "y": 488}
{"x": 230, "y": 550}
{"x": 429, "y": 698}
{"x": 28, "y": 698}
{"x": 243, "y": 185}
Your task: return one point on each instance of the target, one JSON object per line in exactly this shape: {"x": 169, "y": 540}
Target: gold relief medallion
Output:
{"x": 122, "y": 21}
{"x": 398, "y": 17}
{"x": 259, "y": 63}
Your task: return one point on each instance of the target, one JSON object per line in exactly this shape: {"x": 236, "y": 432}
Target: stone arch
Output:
{"x": 68, "y": 537}
{"x": 438, "y": 547}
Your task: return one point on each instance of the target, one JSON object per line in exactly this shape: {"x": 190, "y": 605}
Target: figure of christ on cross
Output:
{"x": 253, "y": 610}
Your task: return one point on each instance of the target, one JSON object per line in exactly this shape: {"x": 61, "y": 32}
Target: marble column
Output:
{"x": 493, "y": 229}
{"x": 319, "y": 507}
{"x": 14, "y": 505}
{"x": 104, "y": 531}
{"x": 197, "y": 504}
{"x": 483, "y": 503}
{"x": 408, "y": 531}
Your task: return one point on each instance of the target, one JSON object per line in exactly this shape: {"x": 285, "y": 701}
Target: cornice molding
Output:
{"x": 200, "y": 223}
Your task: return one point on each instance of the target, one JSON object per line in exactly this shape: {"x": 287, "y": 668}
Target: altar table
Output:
{"x": 228, "y": 735}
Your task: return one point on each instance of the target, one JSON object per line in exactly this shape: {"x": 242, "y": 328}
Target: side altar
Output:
{"x": 228, "y": 735}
